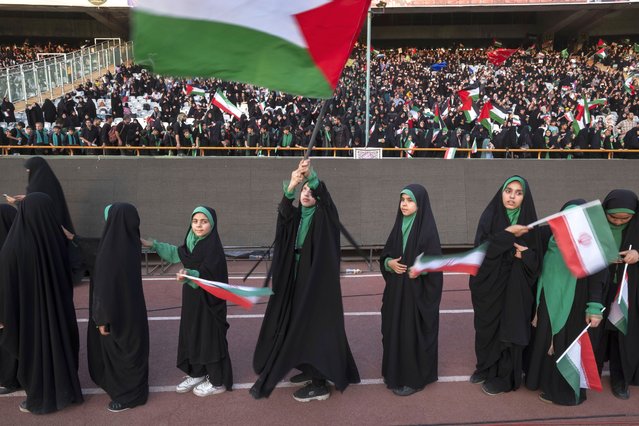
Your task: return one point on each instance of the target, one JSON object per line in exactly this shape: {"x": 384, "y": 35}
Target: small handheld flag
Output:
{"x": 243, "y": 296}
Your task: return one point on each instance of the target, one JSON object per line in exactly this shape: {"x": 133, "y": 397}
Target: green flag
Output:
{"x": 565, "y": 54}
{"x": 636, "y": 48}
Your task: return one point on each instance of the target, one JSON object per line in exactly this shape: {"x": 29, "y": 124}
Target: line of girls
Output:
{"x": 527, "y": 306}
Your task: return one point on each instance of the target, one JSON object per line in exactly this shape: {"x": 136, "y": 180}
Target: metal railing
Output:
{"x": 186, "y": 151}
{"x": 43, "y": 78}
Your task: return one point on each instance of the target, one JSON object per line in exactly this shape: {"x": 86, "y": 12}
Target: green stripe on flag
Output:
{"x": 225, "y": 51}
{"x": 602, "y": 233}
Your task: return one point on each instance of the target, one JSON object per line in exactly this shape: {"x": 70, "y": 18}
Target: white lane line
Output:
{"x": 346, "y": 314}
{"x": 261, "y": 277}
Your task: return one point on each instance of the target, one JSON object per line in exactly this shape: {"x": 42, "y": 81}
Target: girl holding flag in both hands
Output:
{"x": 563, "y": 302}
{"x": 203, "y": 349}
{"x": 619, "y": 344}
{"x": 410, "y": 305}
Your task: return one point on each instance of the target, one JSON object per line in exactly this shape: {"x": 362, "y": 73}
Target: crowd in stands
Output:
{"x": 420, "y": 98}
{"x": 14, "y": 54}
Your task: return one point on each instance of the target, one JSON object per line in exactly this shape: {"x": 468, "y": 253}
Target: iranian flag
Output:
{"x": 578, "y": 366}
{"x": 583, "y": 237}
{"x": 411, "y": 150}
{"x": 484, "y": 116}
{"x": 601, "y": 53}
{"x": 243, "y": 296}
{"x": 450, "y": 153}
{"x": 584, "y": 106}
{"x": 473, "y": 149}
{"x": 222, "y": 102}
{"x": 470, "y": 109}
{"x": 192, "y": 90}
{"x": 498, "y": 114}
{"x": 628, "y": 87}
{"x": 468, "y": 262}
{"x": 470, "y": 91}
{"x": 619, "y": 307}
{"x": 298, "y": 47}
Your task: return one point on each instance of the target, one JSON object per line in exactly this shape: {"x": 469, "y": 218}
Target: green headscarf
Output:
{"x": 191, "y": 238}
{"x": 106, "y": 212}
{"x": 513, "y": 214}
{"x": 407, "y": 221}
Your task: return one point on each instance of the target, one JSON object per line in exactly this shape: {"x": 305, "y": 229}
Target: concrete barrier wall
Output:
{"x": 245, "y": 191}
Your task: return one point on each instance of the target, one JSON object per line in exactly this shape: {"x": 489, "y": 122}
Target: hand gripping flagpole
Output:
{"x": 623, "y": 279}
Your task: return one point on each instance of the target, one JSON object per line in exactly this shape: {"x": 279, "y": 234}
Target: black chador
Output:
{"x": 119, "y": 361}
{"x": 502, "y": 292}
{"x": 36, "y": 289}
{"x": 8, "y": 364}
{"x": 410, "y": 307}
{"x": 304, "y": 322}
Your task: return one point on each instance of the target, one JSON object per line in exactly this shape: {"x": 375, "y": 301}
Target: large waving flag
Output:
{"x": 484, "y": 117}
{"x": 470, "y": 91}
{"x": 243, "y": 296}
{"x": 468, "y": 262}
{"x": 578, "y": 366}
{"x": 298, "y": 47}
{"x": 619, "y": 307}
{"x": 583, "y": 237}
{"x": 470, "y": 110}
{"x": 192, "y": 90}
{"x": 222, "y": 102}
{"x": 497, "y": 57}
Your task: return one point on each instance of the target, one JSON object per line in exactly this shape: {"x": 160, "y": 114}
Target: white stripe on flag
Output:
{"x": 587, "y": 246}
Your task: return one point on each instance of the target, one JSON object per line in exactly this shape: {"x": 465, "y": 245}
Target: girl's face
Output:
{"x": 306, "y": 197}
{"x": 200, "y": 225}
{"x": 407, "y": 205}
{"x": 619, "y": 218}
{"x": 513, "y": 195}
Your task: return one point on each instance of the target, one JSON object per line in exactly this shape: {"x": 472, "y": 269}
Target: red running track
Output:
{"x": 453, "y": 400}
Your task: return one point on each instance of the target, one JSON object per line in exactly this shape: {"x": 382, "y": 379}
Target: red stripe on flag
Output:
{"x": 225, "y": 295}
{"x": 588, "y": 363}
{"x": 567, "y": 246}
{"x": 464, "y": 268}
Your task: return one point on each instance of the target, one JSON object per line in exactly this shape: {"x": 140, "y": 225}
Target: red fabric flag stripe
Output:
{"x": 225, "y": 295}
{"x": 588, "y": 363}
{"x": 567, "y": 246}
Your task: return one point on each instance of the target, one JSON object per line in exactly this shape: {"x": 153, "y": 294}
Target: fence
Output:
{"x": 45, "y": 77}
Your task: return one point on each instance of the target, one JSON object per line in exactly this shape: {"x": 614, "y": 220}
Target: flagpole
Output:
{"x": 368, "y": 74}
{"x": 625, "y": 269}
{"x": 575, "y": 341}
{"x": 318, "y": 124}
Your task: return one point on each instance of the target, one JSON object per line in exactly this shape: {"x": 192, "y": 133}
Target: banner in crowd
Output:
{"x": 297, "y": 47}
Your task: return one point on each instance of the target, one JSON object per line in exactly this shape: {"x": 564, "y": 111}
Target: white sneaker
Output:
{"x": 189, "y": 383}
{"x": 206, "y": 388}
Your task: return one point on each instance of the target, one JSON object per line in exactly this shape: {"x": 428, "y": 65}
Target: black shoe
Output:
{"x": 478, "y": 378}
{"x": 23, "y": 407}
{"x": 116, "y": 407}
{"x": 405, "y": 391}
{"x": 620, "y": 390}
{"x": 491, "y": 389}
{"x": 6, "y": 389}
{"x": 312, "y": 392}
{"x": 545, "y": 398}
{"x": 300, "y": 379}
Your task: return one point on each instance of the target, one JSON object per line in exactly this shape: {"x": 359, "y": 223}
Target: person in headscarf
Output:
{"x": 203, "y": 353}
{"x": 502, "y": 290}
{"x": 303, "y": 326}
{"x": 43, "y": 179}
{"x": 36, "y": 289}
{"x": 565, "y": 305}
{"x": 118, "y": 332}
{"x": 8, "y": 364}
{"x": 620, "y": 349}
{"x": 410, "y": 305}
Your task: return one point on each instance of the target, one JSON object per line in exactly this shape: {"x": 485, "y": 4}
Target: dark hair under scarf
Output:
{"x": 42, "y": 179}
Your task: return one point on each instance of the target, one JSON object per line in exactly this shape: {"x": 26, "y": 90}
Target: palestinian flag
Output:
{"x": 498, "y": 114}
{"x": 601, "y": 53}
{"x": 439, "y": 118}
{"x": 619, "y": 307}
{"x": 468, "y": 262}
{"x": 628, "y": 87}
{"x": 450, "y": 153}
{"x": 471, "y": 112}
{"x": 484, "y": 116}
{"x": 221, "y": 101}
{"x": 577, "y": 126}
{"x": 583, "y": 237}
{"x": 243, "y": 296}
{"x": 471, "y": 91}
{"x": 297, "y": 47}
{"x": 578, "y": 365}
{"x": 497, "y": 43}
{"x": 497, "y": 57}
{"x": 192, "y": 91}
{"x": 601, "y": 43}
